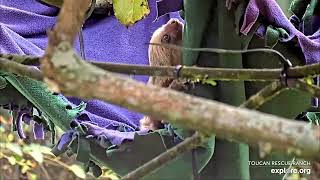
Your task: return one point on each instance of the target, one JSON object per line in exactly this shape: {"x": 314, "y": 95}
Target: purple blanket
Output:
{"x": 23, "y": 26}
{"x": 273, "y": 15}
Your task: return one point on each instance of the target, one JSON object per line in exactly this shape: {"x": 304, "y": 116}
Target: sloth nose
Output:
{"x": 173, "y": 22}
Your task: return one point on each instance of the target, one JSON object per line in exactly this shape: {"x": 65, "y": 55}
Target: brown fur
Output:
{"x": 170, "y": 33}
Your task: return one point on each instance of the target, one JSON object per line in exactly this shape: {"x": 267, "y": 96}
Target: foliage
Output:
{"x": 127, "y": 12}
{"x": 36, "y": 161}
{"x": 204, "y": 80}
{"x": 130, "y": 11}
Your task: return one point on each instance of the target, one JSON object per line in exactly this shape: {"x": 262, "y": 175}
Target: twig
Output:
{"x": 55, "y": 161}
{"x": 45, "y": 172}
{"x": 304, "y": 71}
{"x": 309, "y": 88}
{"x": 70, "y": 20}
{"x": 264, "y": 95}
{"x": 159, "y": 161}
{"x": 284, "y": 60}
{"x": 221, "y": 74}
{"x": 19, "y": 69}
{"x": 23, "y": 59}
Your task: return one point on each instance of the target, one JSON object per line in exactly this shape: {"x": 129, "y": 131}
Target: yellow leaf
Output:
{"x": 10, "y": 137}
{"x": 78, "y": 171}
{"x": 130, "y": 11}
{"x": 12, "y": 160}
{"x": 309, "y": 80}
{"x": 25, "y": 168}
{"x": 32, "y": 176}
{"x": 38, "y": 156}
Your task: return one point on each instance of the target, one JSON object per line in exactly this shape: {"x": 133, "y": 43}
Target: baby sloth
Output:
{"x": 169, "y": 33}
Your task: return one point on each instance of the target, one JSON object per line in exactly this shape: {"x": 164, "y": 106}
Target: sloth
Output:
{"x": 169, "y": 33}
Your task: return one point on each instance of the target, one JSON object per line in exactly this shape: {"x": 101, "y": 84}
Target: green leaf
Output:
{"x": 78, "y": 171}
{"x": 130, "y": 11}
{"x": 3, "y": 82}
{"x": 38, "y": 148}
{"x": 313, "y": 117}
{"x": 37, "y": 151}
{"x": 14, "y": 148}
{"x": 212, "y": 82}
{"x": 204, "y": 80}
{"x": 272, "y": 36}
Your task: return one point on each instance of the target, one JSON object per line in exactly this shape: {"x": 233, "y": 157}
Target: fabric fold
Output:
{"x": 272, "y": 14}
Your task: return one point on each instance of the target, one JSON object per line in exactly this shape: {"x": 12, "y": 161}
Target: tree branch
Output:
{"x": 23, "y": 59}
{"x": 264, "y": 95}
{"x": 254, "y": 102}
{"x": 19, "y": 69}
{"x": 159, "y": 161}
{"x": 221, "y": 74}
{"x": 304, "y": 86}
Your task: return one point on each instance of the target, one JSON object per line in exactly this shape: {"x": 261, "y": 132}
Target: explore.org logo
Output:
{"x": 286, "y": 167}
{"x": 290, "y": 171}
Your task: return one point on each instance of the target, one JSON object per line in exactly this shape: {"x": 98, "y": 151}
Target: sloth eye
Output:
{"x": 165, "y": 38}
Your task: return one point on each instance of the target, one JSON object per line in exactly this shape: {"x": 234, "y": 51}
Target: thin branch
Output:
{"x": 221, "y": 74}
{"x": 264, "y": 95}
{"x": 23, "y": 59}
{"x": 304, "y": 71}
{"x": 19, "y": 69}
{"x": 283, "y": 59}
{"x": 304, "y": 86}
{"x": 45, "y": 172}
{"x": 159, "y": 161}
{"x": 70, "y": 20}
